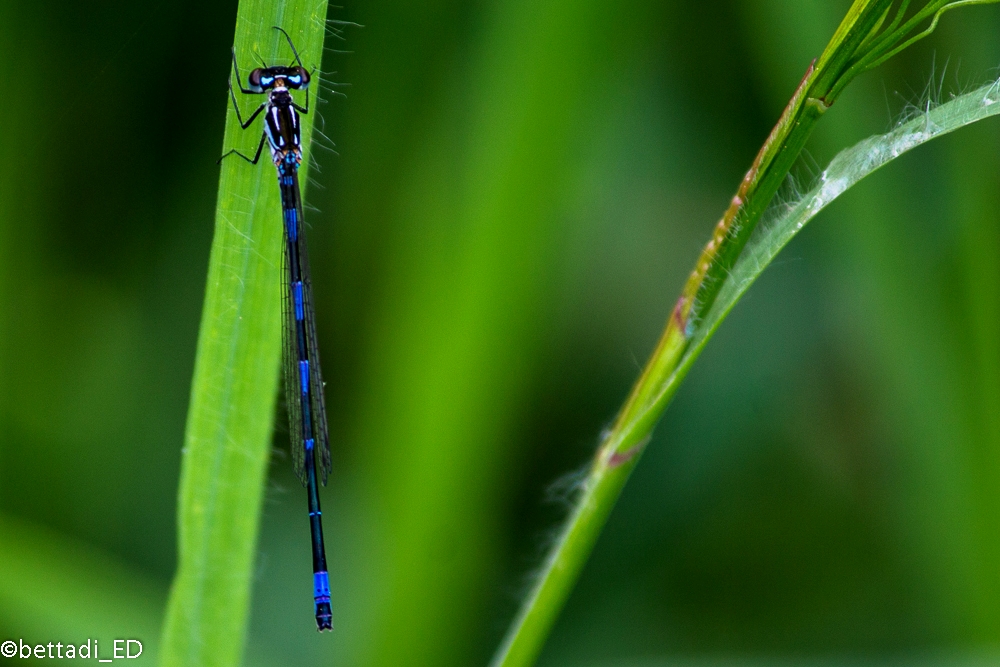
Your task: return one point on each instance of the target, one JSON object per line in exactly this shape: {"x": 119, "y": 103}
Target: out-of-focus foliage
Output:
{"x": 518, "y": 191}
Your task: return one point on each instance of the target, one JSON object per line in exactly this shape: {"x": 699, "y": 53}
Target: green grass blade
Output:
{"x": 233, "y": 392}
{"x": 621, "y": 450}
{"x": 846, "y": 169}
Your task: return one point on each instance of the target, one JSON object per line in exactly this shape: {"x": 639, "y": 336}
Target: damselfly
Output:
{"x": 303, "y": 379}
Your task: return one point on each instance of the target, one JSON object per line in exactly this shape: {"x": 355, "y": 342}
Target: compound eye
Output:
{"x": 301, "y": 77}
{"x": 256, "y": 80}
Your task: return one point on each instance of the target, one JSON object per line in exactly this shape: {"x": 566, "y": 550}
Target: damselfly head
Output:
{"x": 266, "y": 78}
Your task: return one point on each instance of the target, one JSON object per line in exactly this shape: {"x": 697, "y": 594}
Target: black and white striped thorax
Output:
{"x": 282, "y": 125}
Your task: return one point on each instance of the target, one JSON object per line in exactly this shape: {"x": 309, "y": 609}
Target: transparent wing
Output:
{"x": 321, "y": 432}
{"x": 290, "y": 364}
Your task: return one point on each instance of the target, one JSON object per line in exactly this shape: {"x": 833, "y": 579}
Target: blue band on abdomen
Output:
{"x": 304, "y": 375}
{"x": 321, "y": 586}
{"x": 297, "y": 295}
{"x": 291, "y": 223}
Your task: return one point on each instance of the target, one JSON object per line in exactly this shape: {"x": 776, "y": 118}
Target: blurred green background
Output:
{"x": 518, "y": 190}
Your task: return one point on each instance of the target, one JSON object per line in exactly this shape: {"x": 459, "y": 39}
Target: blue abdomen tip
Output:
{"x": 321, "y": 586}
